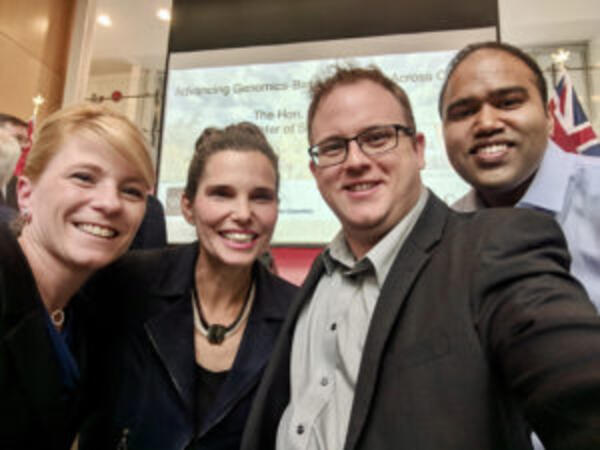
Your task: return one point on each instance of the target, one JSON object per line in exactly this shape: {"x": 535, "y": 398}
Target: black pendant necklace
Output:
{"x": 216, "y": 333}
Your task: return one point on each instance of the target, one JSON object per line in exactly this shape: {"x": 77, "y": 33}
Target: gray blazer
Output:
{"x": 479, "y": 332}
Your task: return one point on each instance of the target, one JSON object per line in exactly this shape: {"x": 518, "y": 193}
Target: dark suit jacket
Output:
{"x": 149, "y": 384}
{"x": 36, "y": 410}
{"x": 7, "y": 214}
{"x": 11, "y": 193}
{"x": 478, "y": 327}
{"x": 153, "y": 229}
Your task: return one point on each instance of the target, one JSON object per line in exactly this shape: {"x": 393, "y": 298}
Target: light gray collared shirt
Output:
{"x": 567, "y": 186}
{"x": 329, "y": 339}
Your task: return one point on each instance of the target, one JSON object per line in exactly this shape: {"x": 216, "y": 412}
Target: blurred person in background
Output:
{"x": 16, "y": 128}
{"x": 153, "y": 230}
{"x": 9, "y": 155}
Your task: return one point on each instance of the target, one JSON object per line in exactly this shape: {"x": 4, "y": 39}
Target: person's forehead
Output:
{"x": 14, "y": 129}
{"x": 492, "y": 69}
{"x": 364, "y": 87}
{"x": 362, "y": 100}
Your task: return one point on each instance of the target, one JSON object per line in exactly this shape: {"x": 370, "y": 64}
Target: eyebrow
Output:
{"x": 97, "y": 169}
{"x": 264, "y": 190}
{"x": 495, "y": 93}
{"x": 362, "y": 130}
{"x": 509, "y": 90}
{"x": 218, "y": 186}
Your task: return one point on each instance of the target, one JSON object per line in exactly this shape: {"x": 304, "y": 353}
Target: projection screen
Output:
{"x": 268, "y": 85}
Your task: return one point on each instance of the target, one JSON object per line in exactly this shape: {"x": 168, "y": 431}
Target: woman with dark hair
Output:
{"x": 82, "y": 197}
{"x": 196, "y": 322}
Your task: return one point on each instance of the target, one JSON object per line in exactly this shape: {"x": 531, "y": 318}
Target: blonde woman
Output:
{"x": 82, "y": 197}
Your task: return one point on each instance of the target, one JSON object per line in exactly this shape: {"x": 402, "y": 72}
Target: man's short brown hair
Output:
{"x": 345, "y": 75}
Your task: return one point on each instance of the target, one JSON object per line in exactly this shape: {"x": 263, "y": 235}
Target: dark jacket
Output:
{"x": 478, "y": 332}
{"x": 149, "y": 382}
{"x": 36, "y": 409}
{"x": 153, "y": 229}
{"x": 7, "y": 214}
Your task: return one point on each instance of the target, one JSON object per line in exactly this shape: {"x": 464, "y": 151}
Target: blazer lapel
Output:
{"x": 408, "y": 264}
{"x": 256, "y": 347}
{"x": 171, "y": 330}
{"x": 171, "y": 335}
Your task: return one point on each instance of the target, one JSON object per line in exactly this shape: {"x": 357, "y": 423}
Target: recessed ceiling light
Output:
{"x": 164, "y": 14}
{"x": 104, "y": 20}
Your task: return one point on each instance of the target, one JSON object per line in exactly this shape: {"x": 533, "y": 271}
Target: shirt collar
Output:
{"x": 382, "y": 255}
{"x": 471, "y": 201}
{"x": 549, "y": 185}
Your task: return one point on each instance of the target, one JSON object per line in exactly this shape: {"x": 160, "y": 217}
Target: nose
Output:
{"x": 487, "y": 121}
{"x": 242, "y": 211}
{"x": 107, "y": 199}
{"x": 356, "y": 158}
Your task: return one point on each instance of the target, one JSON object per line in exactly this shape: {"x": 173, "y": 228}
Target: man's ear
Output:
{"x": 187, "y": 209}
{"x": 550, "y": 123}
{"x": 24, "y": 193}
{"x": 419, "y": 145}
{"x": 312, "y": 167}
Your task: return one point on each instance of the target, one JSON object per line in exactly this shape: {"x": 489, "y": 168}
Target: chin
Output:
{"x": 95, "y": 262}
{"x": 238, "y": 262}
{"x": 236, "y": 259}
{"x": 496, "y": 185}
{"x": 365, "y": 221}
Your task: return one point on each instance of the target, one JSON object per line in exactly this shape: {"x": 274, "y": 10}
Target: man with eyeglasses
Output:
{"x": 419, "y": 327}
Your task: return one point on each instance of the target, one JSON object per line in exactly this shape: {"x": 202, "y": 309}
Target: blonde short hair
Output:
{"x": 91, "y": 122}
{"x": 344, "y": 75}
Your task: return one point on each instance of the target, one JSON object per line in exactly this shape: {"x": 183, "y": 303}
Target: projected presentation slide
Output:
{"x": 222, "y": 87}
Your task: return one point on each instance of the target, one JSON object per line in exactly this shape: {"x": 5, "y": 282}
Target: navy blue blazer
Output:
{"x": 147, "y": 372}
{"x": 153, "y": 229}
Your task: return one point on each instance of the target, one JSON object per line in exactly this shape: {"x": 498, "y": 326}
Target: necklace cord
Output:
{"x": 216, "y": 333}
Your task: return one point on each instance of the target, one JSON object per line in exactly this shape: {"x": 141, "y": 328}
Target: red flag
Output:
{"x": 572, "y": 131}
{"x": 25, "y": 150}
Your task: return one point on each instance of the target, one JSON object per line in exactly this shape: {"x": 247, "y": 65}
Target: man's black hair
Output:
{"x": 540, "y": 81}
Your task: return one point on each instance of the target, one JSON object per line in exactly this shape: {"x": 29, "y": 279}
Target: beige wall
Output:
{"x": 34, "y": 45}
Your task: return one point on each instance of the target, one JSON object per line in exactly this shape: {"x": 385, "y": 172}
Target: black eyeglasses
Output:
{"x": 372, "y": 141}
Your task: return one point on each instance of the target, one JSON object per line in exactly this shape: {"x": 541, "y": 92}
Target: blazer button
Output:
{"x": 123, "y": 444}
{"x": 300, "y": 429}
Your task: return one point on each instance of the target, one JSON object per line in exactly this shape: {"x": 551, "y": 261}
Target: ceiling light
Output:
{"x": 561, "y": 56}
{"x": 104, "y": 20}
{"x": 164, "y": 14}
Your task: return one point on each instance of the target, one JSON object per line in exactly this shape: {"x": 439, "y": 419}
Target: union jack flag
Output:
{"x": 572, "y": 131}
